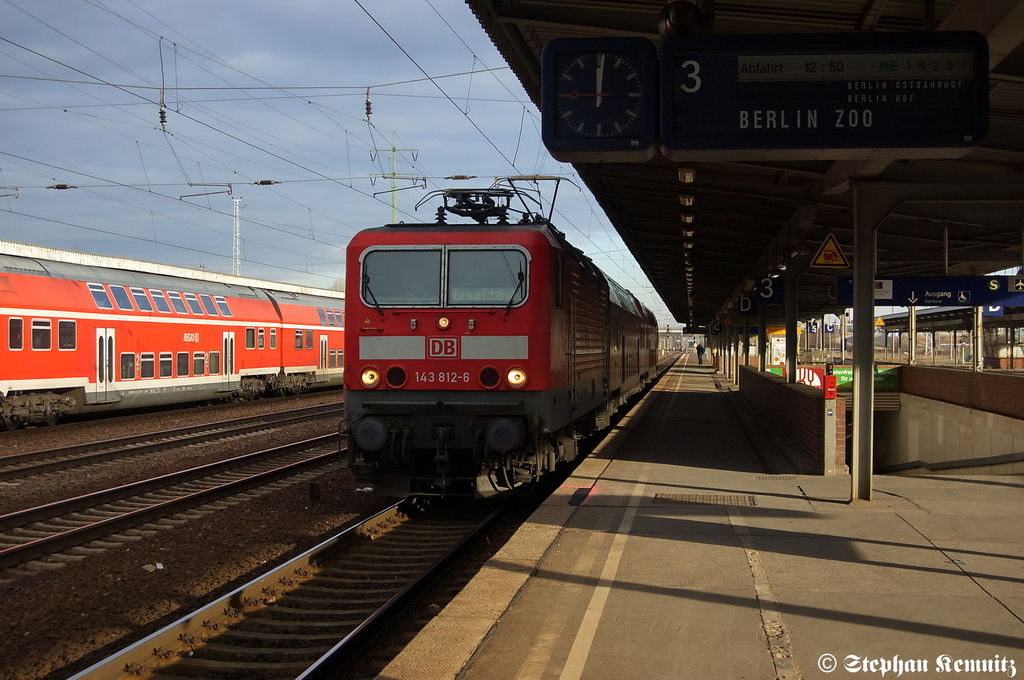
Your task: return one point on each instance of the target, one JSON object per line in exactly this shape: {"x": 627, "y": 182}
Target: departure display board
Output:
{"x": 823, "y": 96}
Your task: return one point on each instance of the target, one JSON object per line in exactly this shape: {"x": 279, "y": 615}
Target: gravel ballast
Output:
{"x": 60, "y": 621}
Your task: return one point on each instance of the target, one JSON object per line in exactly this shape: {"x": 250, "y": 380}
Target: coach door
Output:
{"x": 106, "y": 363}
{"x": 324, "y": 353}
{"x": 228, "y": 352}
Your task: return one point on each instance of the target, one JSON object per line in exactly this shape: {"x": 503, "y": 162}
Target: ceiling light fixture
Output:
{"x": 687, "y": 175}
{"x": 686, "y": 199}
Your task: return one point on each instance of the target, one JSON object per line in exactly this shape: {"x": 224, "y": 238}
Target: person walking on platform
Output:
{"x": 700, "y": 355}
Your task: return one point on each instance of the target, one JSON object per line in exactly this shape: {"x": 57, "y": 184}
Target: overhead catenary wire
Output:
{"x": 434, "y": 83}
{"x": 253, "y": 151}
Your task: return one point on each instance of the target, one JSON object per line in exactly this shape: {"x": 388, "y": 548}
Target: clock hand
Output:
{"x": 600, "y": 77}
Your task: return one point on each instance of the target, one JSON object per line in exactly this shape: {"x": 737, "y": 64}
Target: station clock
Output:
{"x": 599, "y": 99}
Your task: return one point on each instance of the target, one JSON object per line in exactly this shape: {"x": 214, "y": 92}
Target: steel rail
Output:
{"x": 40, "y": 547}
{"x": 182, "y": 638}
{"x": 64, "y": 458}
{"x": 326, "y": 666}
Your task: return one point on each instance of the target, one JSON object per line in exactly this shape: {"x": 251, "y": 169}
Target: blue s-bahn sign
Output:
{"x": 939, "y": 291}
{"x": 823, "y": 96}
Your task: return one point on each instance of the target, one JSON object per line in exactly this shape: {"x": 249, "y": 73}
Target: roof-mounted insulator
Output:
{"x": 62, "y": 186}
{"x": 369, "y": 108}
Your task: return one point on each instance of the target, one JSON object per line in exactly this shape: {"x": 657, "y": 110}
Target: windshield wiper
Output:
{"x": 366, "y": 289}
{"x": 515, "y": 292}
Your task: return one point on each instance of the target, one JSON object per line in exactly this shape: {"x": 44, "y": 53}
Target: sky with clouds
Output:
{"x": 260, "y": 91}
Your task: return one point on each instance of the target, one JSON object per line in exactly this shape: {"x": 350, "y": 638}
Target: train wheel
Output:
{"x": 51, "y": 419}
{"x": 9, "y": 424}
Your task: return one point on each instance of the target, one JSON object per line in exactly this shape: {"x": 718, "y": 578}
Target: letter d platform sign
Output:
{"x": 443, "y": 348}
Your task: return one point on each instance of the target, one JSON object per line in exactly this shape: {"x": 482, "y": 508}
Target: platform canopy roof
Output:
{"x": 751, "y": 216}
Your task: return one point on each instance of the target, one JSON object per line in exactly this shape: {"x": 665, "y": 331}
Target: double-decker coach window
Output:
{"x": 208, "y": 305}
{"x": 260, "y": 338}
{"x": 66, "y": 335}
{"x": 99, "y": 296}
{"x": 147, "y": 365}
{"x": 141, "y": 300}
{"x": 323, "y": 317}
{"x": 222, "y": 305}
{"x": 15, "y": 333}
{"x": 121, "y": 298}
{"x": 127, "y": 366}
{"x": 166, "y": 364}
{"x": 250, "y": 338}
{"x": 309, "y": 338}
{"x": 41, "y": 332}
{"x": 160, "y": 301}
{"x": 181, "y": 359}
{"x": 298, "y": 339}
{"x": 273, "y": 338}
{"x": 401, "y": 277}
{"x": 486, "y": 277}
{"x": 176, "y": 302}
{"x": 198, "y": 363}
{"x": 193, "y": 303}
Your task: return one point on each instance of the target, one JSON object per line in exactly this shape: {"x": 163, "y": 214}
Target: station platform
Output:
{"x": 686, "y": 547}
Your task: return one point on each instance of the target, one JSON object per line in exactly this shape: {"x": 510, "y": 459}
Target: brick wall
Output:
{"x": 796, "y": 413}
{"x": 992, "y": 392}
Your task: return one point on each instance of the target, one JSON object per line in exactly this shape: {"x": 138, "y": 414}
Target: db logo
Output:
{"x": 443, "y": 348}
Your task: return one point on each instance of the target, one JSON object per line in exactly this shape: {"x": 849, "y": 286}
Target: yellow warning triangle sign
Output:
{"x": 830, "y": 255}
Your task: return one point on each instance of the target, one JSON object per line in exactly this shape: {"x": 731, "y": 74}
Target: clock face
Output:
{"x": 599, "y": 99}
{"x": 598, "y": 94}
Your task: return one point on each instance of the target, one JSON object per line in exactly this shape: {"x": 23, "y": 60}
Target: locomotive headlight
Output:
{"x": 516, "y": 377}
{"x": 370, "y": 377}
{"x": 444, "y": 322}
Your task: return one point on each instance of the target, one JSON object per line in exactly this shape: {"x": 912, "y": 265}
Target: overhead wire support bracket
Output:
{"x": 393, "y": 175}
{"x": 418, "y": 183}
{"x": 208, "y": 193}
{"x": 16, "y": 192}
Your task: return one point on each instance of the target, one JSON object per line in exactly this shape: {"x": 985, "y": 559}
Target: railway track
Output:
{"x": 71, "y": 529}
{"x": 53, "y": 460}
{"x": 305, "y": 617}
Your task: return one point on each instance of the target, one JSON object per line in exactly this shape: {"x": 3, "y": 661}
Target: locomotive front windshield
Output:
{"x": 483, "y": 277}
{"x": 402, "y": 277}
{"x": 487, "y": 277}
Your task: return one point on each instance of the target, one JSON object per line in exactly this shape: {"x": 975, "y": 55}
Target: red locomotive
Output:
{"x": 88, "y": 333}
{"x": 480, "y": 353}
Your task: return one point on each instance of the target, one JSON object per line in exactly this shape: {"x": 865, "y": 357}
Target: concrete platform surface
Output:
{"x": 696, "y": 556}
